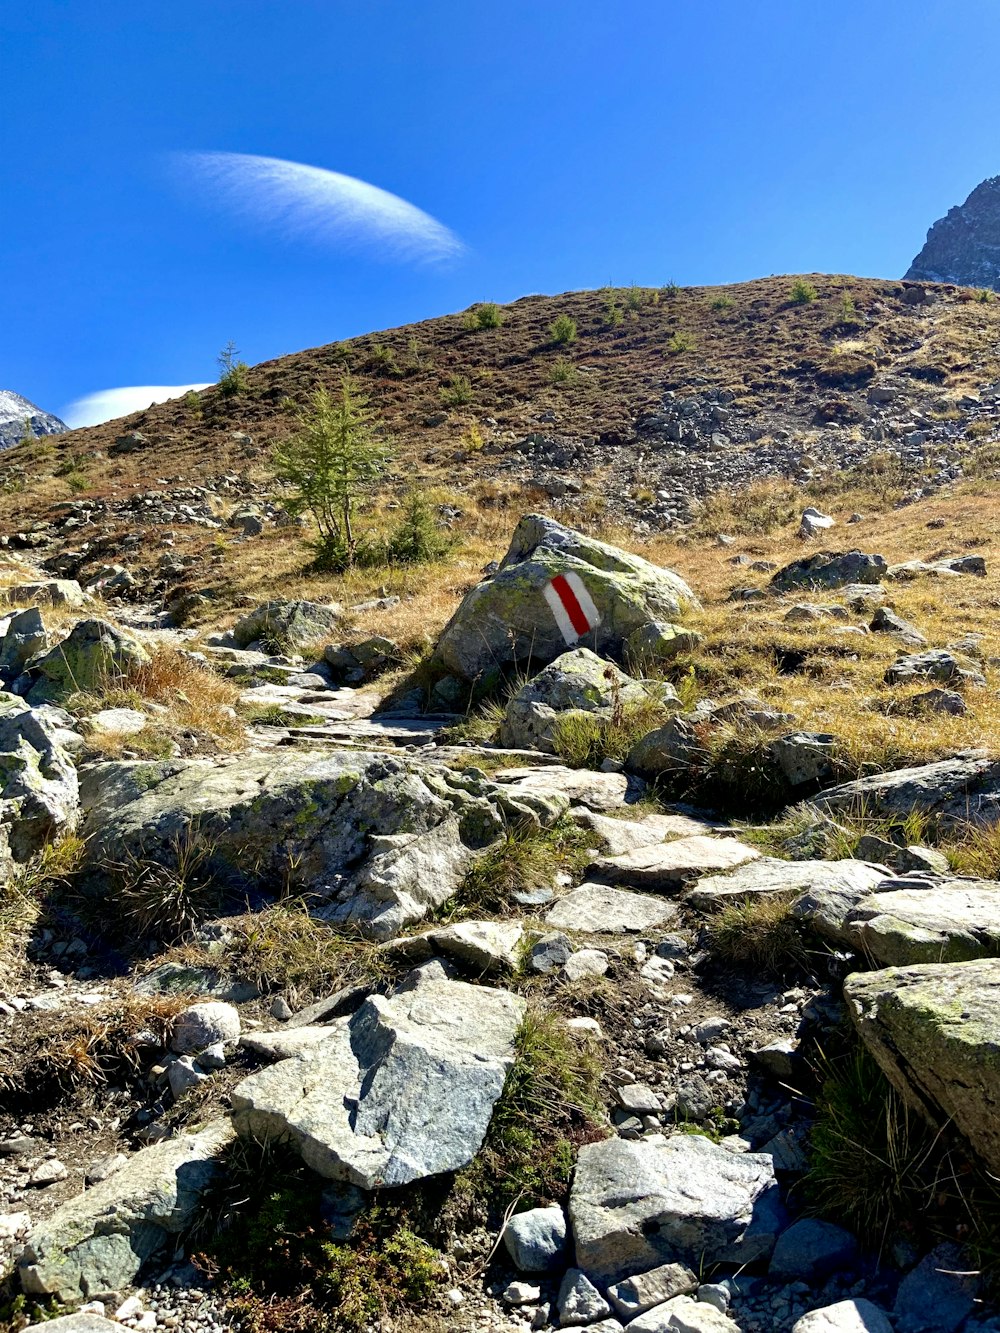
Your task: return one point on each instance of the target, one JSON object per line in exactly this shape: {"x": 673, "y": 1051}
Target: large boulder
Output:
{"x": 94, "y": 655}
{"x": 935, "y": 921}
{"x": 577, "y": 686}
{"x": 962, "y": 790}
{"x": 829, "y": 569}
{"x": 935, "y": 1030}
{"x": 39, "y": 793}
{"x": 669, "y": 865}
{"x": 556, "y": 588}
{"x": 284, "y": 624}
{"x": 379, "y": 839}
{"x": 54, "y": 592}
{"x": 97, "y": 1242}
{"x": 401, "y": 1090}
{"x": 634, "y": 1205}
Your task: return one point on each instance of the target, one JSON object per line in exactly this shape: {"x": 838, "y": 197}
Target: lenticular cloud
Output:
{"x": 312, "y": 204}
{"x": 106, "y": 404}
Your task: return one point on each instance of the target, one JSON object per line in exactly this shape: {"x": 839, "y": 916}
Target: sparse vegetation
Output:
{"x": 527, "y": 857}
{"x": 680, "y": 342}
{"x": 564, "y": 372}
{"x": 760, "y": 934}
{"x": 802, "y": 292}
{"x": 233, "y": 373}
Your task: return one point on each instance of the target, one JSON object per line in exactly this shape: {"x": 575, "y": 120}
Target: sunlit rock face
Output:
{"x": 18, "y": 415}
{"x": 964, "y": 246}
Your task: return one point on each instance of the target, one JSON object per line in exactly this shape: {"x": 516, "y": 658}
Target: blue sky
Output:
{"x": 566, "y": 144}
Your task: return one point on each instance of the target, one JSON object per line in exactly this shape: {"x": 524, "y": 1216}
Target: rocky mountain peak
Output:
{"x": 964, "y": 246}
{"x": 15, "y": 410}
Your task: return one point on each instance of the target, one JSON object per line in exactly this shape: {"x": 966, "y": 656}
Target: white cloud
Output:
{"x": 309, "y": 203}
{"x": 106, "y": 404}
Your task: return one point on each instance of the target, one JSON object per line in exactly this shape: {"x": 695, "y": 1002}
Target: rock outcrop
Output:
{"x": 20, "y": 417}
{"x": 964, "y": 246}
{"x": 934, "y": 1029}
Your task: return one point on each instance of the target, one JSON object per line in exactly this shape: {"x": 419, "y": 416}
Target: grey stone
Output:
{"x": 578, "y": 686}
{"x": 94, "y": 654}
{"x": 521, "y": 1293}
{"x": 934, "y": 1029}
{"x": 695, "y": 1097}
{"x": 25, "y": 638}
{"x": 50, "y": 592}
{"x": 828, "y": 569}
{"x": 683, "y": 1315}
{"x": 283, "y": 624}
{"x": 939, "y": 1294}
{"x": 947, "y": 921}
{"x": 553, "y": 790}
{"x": 671, "y": 864}
{"x": 658, "y": 641}
{"x": 77, "y": 1323}
{"x": 804, "y": 758}
{"x": 507, "y": 618}
{"x": 602, "y": 910}
{"x": 811, "y": 1251}
{"x": 857, "y": 1316}
{"x": 549, "y": 954}
{"x": 915, "y": 857}
{"x": 885, "y": 621}
{"x": 636, "y": 1204}
{"x": 403, "y": 1089}
{"x": 536, "y": 1239}
{"x": 204, "y": 1024}
{"x": 626, "y": 835}
{"x": 819, "y": 880}
{"x": 579, "y": 1302}
{"x": 962, "y": 790}
{"x": 779, "y": 1057}
{"x": 97, "y": 1242}
{"x": 939, "y": 701}
{"x": 39, "y": 790}
{"x": 934, "y": 664}
{"x": 585, "y": 963}
{"x": 666, "y": 751}
{"x": 634, "y": 1295}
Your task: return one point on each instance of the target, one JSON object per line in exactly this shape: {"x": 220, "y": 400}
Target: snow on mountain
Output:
{"x": 16, "y": 412}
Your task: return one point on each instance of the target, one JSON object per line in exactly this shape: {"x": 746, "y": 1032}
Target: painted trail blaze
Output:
{"x": 572, "y": 606}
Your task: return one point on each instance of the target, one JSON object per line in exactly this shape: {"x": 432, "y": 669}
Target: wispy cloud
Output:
{"x": 303, "y": 203}
{"x": 106, "y": 404}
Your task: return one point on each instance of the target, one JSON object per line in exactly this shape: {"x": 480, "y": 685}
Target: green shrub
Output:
{"x": 488, "y": 315}
{"x": 457, "y": 392}
{"x": 613, "y": 315}
{"x": 562, "y": 330}
{"x": 680, "y": 342}
{"x": 985, "y": 295}
{"x": 636, "y": 298}
{"x": 722, "y": 302}
{"x": 802, "y": 292}
{"x": 417, "y": 538}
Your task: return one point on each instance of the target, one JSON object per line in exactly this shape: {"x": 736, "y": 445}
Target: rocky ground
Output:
{"x": 610, "y": 1003}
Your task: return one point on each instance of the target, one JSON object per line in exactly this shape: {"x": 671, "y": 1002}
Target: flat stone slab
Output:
{"x": 950, "y": 921}
{"x": 626, "y": 835}
{"x": 636, "y": 1205}
{"x": 672, "y": 864}
{"x": 602, "y": 910}
{"x": 403, "y": 1089}
{"x": 770, "y": 875}
{"x": 569, "y": 786}
{"x": 935, "y": 1030}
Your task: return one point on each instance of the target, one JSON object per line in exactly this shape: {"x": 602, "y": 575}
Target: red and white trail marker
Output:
{"x": 572, "y": 606}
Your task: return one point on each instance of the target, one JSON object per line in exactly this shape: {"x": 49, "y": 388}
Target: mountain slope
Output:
{"x": 15, "y": 411}
{"x": 964, "y": 245}
{"x": 662, "y": 398}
